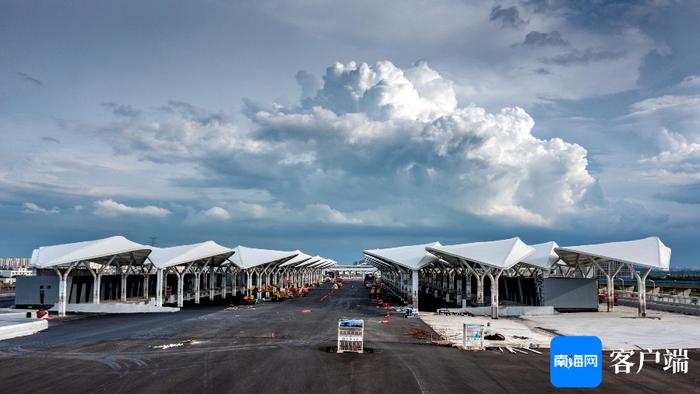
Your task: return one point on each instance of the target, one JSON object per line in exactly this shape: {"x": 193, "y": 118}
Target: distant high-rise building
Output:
{"x": 15, "y": 262}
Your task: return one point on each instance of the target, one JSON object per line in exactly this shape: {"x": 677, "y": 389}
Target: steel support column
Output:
{"x": 258, "y": 284}
{"x": 234, "y": 282}
{"x": 159, "y": 287}
{"x": 414, "y": 289}
{"x": 197, "y": 285}
{"x": 494, "y": 291}
{"x": 62, "y": 284}
{"x": 212, "y": 282}
{"x": 145, "y": 286}
{"x": 123, "y": 285}
{"x": 459, "y": 289}
{"x": 610, "y": 279}
{"x": 180, "y": 288}
{"x": 450, "y": 285}
{"x": 479, "y": 289}
{"x": 96, "y": 291}
{"x": 641, "y": 290}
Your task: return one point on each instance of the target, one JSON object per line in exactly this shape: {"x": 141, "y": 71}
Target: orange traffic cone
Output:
{"x": 388, "y": 319}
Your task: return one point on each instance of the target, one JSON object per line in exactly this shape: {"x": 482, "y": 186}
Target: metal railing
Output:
{"x": 661, "y": 298}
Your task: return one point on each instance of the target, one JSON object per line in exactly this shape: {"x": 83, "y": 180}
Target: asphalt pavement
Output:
{"x": 280, "y": 347}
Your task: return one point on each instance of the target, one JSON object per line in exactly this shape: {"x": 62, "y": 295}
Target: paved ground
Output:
{"x": 623, "y": 329}
{"x": 276, "y": 347}
{"x": 517, "y": 333}
{"x": 619, "y": 329}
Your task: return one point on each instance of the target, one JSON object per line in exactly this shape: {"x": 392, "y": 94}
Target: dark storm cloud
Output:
{"x": 506, "y": 16}
{"x": 585, "y": 56}
{"x": 28, "y": 78}
{"x": 538, "y": 39}
{"x": 602, "y": 14}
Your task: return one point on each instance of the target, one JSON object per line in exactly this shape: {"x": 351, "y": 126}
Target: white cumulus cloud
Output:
{"x": 111, "y": 208}
{"x": 30, "y": 207}
{"x": 671, "y": 126}
{"x": 691, "y": 81}
{"x": 216, "y": 213}
{"x": 367, "y": 140}
{"x": 678, "y": 161}
{"x": 407, "y": 122}
{"x": 325, "y": 214}
{"x": 213, "y": 214}
{"x": 667, "y": 102}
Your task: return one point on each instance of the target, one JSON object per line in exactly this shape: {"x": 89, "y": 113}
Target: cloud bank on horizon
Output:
{"x": 529, "y": 118}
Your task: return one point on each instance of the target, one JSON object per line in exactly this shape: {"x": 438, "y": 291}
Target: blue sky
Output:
{"x": 333, "y": 128}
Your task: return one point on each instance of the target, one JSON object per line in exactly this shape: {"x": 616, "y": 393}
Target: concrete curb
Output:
{"x": 13, "y": 327}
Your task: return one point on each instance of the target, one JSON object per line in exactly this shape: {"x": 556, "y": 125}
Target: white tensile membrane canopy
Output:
{"x": 319, "y": 263}
{"x": 311, "y": 264}
{"x": 491, "y": 258}
{"x": 379, "y": 264}
{"x": 300, "y": 258}
{"x": 329, "y": 264}
{"x": 310, "y": 261}
{"x": 99, "y": 251}
{"x": 184, "y": 254}
{"x": 323, "y": 264}
{"x": 246, "y": 258}
{"x": 543, "y": 257}
{"x": 501, "y": 254}
{"x": 648, "y": 252}
{"x": 64, "y": 258}
{"x": 412, "y": 257}
{"x": 400, "y": 258}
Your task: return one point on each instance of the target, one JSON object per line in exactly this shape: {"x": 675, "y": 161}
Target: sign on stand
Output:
{"x": 351, "y": 335}
{"x": 473, "y": 336}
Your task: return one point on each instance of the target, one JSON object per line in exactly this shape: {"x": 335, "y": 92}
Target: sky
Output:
{"x": 334, "y": 127}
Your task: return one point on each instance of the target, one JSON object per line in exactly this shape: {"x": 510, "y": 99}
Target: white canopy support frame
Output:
{"x": 646, "y": 254}
{"x": 407, "y": 261}
{"x": 485, "y": 259}
{"x": 93, "y": 256}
